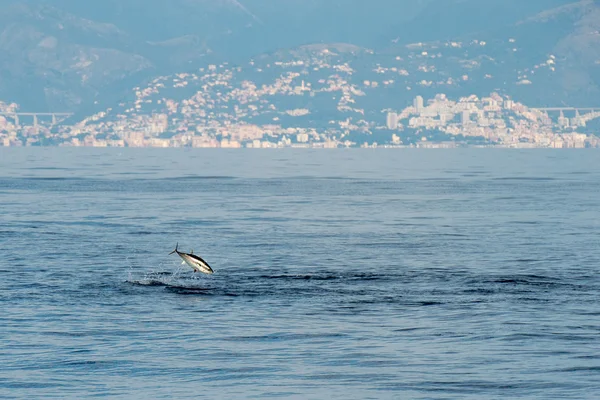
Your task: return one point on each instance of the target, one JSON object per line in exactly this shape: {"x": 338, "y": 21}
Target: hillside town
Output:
{"x": 316, "y": 97}
{"x": 497, "y": 121}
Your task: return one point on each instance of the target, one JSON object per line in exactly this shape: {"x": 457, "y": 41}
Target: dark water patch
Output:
{"x": 592, "y": 369}
{"x": 325, "y": 276}
{"x": 285, "y": 336}
{"x": 392, "y": 244}
{"x": 301, "y": 277}
{"x": 205, "y": 222}
{"x": 523, "y": 336}
{"x": 473, "y": 387}
{"x": 533, "y": 300}
{"x": 367, "y": 299}
{"x": 199, "y": 178}
{"x": 589, "y": 313}
{"x": 531, "y": 280}
{"x": 524, "y": 284}
{"x": 403, "y": 224}
{"x": 109, "y": 285}
{"x": 51, "y": 179}
{"x": 264, "y": 218}
{"x": 431, "y": 180}
{"x": 188, "y": 289}
{"x": 93, "y": 365}
{"x": 70, "y": 334}
{"x": 508, "y": 198}
{"x": 202, "y": 291}
{"x": 479, "y": 291}
{"x": 367, "y": 276}
{"x": 408, "y": 329}
{"x": 365, "y": 182}
{"x": 28, "y": 384}
{"x": 345, "y": 378}
{"x": 525, "y": 222}
{"x": 283, "y": 286}
{"x": 526, "y": 178}
{"x": 323, "y": 178}
{"x": 578, "y": 173}
{"x": 551, "y": 336}
{"x": 455, "y": 235}
{"x": 426, "y": 303}
{"x": 161, "y": 273}
{"x": 91, "y": 222}
{"x": 131, "y": 173}
{"x": 46, "y": 169}
{"x": 263, "y": 245}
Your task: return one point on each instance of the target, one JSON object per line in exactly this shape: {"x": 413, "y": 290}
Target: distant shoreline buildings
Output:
{"x": 498, "y": 120}
{"x": 495, "y": 121}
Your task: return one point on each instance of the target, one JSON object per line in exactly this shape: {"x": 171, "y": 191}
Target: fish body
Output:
{"x": 194, "y": 261}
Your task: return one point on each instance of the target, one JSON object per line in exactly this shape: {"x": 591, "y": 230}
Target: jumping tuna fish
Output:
{"x": 193, "y": 261}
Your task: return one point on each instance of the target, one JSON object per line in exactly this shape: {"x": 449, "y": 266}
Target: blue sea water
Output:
{"x": 408, "y": 274}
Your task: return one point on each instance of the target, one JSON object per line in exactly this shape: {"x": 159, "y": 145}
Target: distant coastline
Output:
{"x": 447, "y": 146}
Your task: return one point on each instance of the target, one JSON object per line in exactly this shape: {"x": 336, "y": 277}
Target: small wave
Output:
{"x": 201, "y": 177}
{"x": 533, "y": 280}
{"x": 525, "y": 178}
{"x": 46, "y": 169}
{"x": 51, "y": 178}
{"x": 187, "y": 289}
{"x": 426, "y": 303}
{"x": 285, "y": 337}
{"x": 594, "y": 369}
{"x": 482, "y": 291}
{"x": 301, "y": 277}
{"x": 364, "y": 276}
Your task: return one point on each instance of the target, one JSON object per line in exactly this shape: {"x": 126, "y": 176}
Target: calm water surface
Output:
{"x": 467, "y": 274}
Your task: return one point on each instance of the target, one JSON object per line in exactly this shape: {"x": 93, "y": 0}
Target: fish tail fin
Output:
{"x": 176, "y": 247}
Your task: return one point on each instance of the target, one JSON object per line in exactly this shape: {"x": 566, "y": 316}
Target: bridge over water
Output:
{"x": 563, "y": 109}
{"x": 55, "y": 118}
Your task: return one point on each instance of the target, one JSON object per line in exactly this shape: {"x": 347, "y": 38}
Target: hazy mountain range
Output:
{"x": 73, "y": 55}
